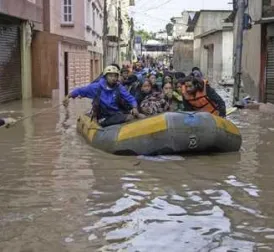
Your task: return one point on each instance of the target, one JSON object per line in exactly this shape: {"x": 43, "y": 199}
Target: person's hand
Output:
{"x": 145, "y": 110}
{"x": 135, "y": 112}
{"x": 66, "y": 101}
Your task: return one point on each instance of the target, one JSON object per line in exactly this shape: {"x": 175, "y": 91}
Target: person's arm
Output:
{"x": 217, "y": 99}
{"x": 88, "y": 91}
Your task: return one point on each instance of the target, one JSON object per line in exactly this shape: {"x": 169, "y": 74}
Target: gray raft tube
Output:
{"x": 164, "y": 134}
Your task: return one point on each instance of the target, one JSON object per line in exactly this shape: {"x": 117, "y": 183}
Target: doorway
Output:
{"x": 66, "y": 73}
{"x": 210, "y": 62}
{"x": 91, "y": 71}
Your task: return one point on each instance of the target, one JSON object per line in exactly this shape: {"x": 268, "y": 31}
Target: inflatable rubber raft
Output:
{"x": 164, "y": 134}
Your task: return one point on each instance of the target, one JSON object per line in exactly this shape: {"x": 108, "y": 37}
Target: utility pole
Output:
{"x": 130, "y": 47}
{"x": 105, "y": 34}
{"x": 239, "y": 50}
{"x": 119, "y": 32}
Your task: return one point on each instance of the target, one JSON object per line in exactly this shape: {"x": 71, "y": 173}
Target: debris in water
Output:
{"x": 92, "y": 237}
{"x": 161, "y": 158}
{"x": 69, "y": 240}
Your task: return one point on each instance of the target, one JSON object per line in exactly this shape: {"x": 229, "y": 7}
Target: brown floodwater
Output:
{"x": 59, "y": 194}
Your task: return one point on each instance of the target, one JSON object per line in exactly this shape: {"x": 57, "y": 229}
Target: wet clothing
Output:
{"x": 154, "y": 104}
{"x": 109, "y": 104}
{"x": 206, "y": 100}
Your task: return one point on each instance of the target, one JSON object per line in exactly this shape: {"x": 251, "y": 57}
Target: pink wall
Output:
{"x": 56, "y": 27}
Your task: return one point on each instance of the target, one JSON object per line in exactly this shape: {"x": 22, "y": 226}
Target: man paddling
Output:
{"x": 112, "y": 103}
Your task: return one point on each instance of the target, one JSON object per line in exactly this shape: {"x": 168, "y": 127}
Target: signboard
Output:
{"x": 138, "y": 40}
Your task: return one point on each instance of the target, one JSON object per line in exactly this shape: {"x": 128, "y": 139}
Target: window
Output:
{"x": 93, "y": 17}
{"x": 67, "y": 12}
{"x": 88, "y": 14}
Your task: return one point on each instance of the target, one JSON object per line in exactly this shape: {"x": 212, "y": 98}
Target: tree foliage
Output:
{"x": 145, "y": 35}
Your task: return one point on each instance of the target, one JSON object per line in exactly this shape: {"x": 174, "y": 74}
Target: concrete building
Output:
{"x": 213, "y": 44}
{"x": 183, "y": 42}
{"x": 258, "y": 51}
{"x": 114, "y": 24}
{"x": 69, "y": 49}
{"x": 183, "y": 55}
{"x": 94, "y": 34}
{"x": 18, "y": 21}
{"x": 180, "y": 28}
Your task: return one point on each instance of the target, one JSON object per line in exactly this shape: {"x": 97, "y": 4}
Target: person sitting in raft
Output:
{"x": 197, "y": 73}
{"x": 167, "y": 79}
{"x": 124, "y": 75}
{"x": 144, "y": 91}
{"x": 157, "y": 103}
{"x": 132, "y": 84}
{"x": 109, "y": 99}
{"x": 174, "y": 99}
{"x": 199, "y": 96}
{"x": 152, "y": 78}
{"x": 177, "y": 97}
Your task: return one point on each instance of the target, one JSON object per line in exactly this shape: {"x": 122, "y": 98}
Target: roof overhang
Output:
{"x": 265, "y": 20}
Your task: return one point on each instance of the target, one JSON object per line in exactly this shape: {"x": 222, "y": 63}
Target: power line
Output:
{"x": 166, "y": 2}
{"x": 166, "y": 20}
{"x": 150, "y": 4}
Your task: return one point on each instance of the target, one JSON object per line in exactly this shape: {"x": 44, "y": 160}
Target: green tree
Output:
{"x": 145, "y": 35}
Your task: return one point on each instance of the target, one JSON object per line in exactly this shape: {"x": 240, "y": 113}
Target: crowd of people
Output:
{"x": 122, "y": 94}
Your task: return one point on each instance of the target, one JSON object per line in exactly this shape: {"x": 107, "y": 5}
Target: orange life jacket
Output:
{"x": 200, "y": 101}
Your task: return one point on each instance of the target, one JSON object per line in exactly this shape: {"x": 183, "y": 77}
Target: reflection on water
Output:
{"x": 59, "y": 194}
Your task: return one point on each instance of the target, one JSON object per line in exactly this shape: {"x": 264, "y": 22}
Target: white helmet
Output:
{"x": 111, "y": 69}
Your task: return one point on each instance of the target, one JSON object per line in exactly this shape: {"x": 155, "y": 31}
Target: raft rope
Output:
{"x": 43, "y": 111}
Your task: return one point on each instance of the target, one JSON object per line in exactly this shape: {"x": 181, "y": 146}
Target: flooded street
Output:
{"x": 59, "y": 194}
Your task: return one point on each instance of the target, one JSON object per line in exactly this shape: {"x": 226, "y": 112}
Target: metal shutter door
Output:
{"x": 10, "y": 63}
{"x": 269, "y": 94}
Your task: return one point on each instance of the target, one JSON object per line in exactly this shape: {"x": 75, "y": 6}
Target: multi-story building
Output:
{"x": 119, "y": 27}
{"x": 19, "y": 20}
{"x": 94, "y": 34}
{"x": 69, "y": 49}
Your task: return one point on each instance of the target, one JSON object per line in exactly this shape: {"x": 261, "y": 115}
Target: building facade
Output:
{"x": 258, "y": 50}
{"x": 18, "y": 21}
{"x": 69, "y": 49}
{"x": 180, "y": 27}
{"x": 183, "y": 42}
{"x": 119, "y": 36}
{"x": 213, "y": 44}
